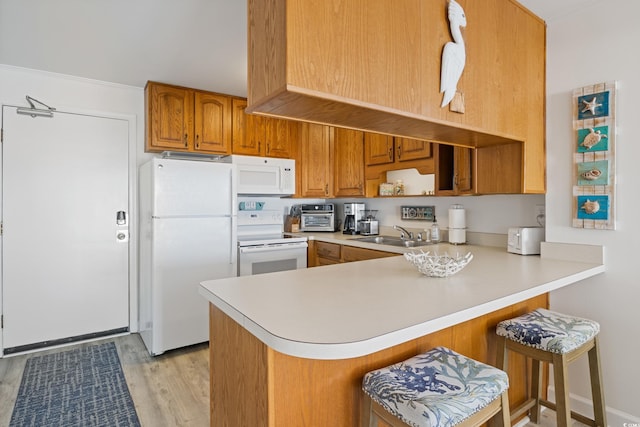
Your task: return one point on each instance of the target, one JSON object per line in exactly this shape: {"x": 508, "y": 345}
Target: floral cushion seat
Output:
{"x": 438, "y": 388}
{"x": 549, "y": 331}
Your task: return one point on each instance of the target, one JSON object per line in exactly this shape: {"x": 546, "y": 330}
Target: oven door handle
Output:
{"x": 271, "y": 248}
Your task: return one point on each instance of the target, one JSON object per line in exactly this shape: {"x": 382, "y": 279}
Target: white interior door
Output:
{"x": 65, "y": 269}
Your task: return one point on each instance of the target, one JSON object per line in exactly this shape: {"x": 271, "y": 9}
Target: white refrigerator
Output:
{"x": 187, "y": 235}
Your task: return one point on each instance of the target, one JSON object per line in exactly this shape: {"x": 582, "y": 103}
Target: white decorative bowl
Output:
{"x": 434, "y": 265}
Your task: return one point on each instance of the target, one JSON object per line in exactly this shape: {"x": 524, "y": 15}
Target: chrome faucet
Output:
{"x": 403, "y": 231}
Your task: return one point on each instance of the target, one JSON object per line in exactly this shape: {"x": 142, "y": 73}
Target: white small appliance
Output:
{"x": 264, "y": 248}
{"x": 187, "y": 235}
{"x": 265, "y": 175}
{"x": 525, "y": 240}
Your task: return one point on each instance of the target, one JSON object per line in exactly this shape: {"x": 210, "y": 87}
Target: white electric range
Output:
{"x": 264, "y": 248}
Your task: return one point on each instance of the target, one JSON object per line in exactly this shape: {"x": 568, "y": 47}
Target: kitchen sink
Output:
{"x": 393, "y": 241}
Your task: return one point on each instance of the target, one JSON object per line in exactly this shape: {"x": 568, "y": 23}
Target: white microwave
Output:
{"x": 264, "y": 175}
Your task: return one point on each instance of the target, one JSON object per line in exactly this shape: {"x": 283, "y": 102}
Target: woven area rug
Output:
{"x": 80, "y": 387}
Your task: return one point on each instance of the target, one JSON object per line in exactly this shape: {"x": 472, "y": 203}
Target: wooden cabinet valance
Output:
{"x": 374, "y": 65}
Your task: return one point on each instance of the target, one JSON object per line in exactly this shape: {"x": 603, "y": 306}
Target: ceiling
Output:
{"x": 193, "y": 43}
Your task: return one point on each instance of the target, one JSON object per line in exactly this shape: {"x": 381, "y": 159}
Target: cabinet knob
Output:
{"x": 268, "y": 148}
{"x": 399, "y": 151}
{"x": 197, "y": 141}
{"x": 326, "y": 189}
{"x": 186, "y": 141}
{"x": 390, "y": 153}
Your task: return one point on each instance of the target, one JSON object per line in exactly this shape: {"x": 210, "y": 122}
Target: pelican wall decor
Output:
{"x": 453, "y": 57}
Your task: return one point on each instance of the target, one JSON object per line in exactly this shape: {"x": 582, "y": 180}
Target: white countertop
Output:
{"x": 353, "y": 309}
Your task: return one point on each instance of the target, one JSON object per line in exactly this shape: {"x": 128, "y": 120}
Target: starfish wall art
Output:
{"x": 594, "y": 156}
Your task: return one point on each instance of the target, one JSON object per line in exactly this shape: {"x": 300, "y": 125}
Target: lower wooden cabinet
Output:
{"x": 352, "y": 253}
{"x": 325, "y": 253}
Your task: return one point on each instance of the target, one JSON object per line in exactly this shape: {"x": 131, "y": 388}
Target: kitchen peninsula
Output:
{"x": 290, "y": 348}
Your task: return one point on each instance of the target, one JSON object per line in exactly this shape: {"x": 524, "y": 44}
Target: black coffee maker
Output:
{"x": 353, "y": 213}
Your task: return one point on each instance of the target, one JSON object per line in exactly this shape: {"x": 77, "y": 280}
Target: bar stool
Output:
{"x": 439, "y": 388}
{"x": 559, "y": 339}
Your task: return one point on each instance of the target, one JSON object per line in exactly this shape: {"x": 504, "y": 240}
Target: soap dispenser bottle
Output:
{"x": 435, "y": 231}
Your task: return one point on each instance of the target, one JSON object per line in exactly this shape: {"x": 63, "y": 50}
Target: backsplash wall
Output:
{"x": 484, "y": 214}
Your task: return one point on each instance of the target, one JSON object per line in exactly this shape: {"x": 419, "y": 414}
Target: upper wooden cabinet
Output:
{"x": 183, "y": 119}
{"x": 374, "y": 65}
{"x": 212, "y": 122}
{"x": 348, "y": 169}
{"x": 315, "y": 162}
{"x": 169, "y": 117}
{"x": 263, "y": 136}
{"x": 408, "y": 149}
{"x": 454, "y": 171}
{"x": 330, "y": 162}
{"x": 385, "y": 153}
{"x": 239, "y": 126}
{"x": 379, "y": 149}
{"x": 384, "y": 150}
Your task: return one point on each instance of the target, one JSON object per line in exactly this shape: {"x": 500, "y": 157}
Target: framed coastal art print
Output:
{"x": 594, "y": 156}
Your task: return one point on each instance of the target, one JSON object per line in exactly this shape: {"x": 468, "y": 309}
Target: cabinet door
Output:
{"x": 378, "y": 149}
{"x": 348, "y": 170}
{"x": 463, "y": 179}
{"x": 277, "y": 138}
{"x": 238, "y": 125}
{"x": 412, "y": 149}
{"x": 253, "y": 142}
{"x": 316, "y": 161}
{"x": 169, "y": 117}
{"x": 454, "y": 174}
{"x": 212, "y": 123}
{"x": 352, "y": 253}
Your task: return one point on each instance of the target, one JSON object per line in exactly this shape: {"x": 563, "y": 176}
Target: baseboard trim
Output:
{"x": 584, "y": 406}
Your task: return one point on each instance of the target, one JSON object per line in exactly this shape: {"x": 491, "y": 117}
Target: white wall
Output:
{"x": 599, "y": 44}
{"x": 63, "y": 91}
{"x": 486, "y": 214}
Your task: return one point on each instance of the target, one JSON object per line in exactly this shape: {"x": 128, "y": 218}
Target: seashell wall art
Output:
{"x": 594, "y": 156}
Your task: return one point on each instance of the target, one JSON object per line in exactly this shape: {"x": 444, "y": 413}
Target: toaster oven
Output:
{"x": 319, "y": 217}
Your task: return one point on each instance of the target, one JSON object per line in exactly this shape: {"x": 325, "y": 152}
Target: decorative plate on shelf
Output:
{"x": 434, "y": 265}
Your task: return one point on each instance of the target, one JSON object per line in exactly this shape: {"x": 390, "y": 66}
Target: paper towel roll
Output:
{"x": 457, "y": 217}
{"x": 457, "y": 236}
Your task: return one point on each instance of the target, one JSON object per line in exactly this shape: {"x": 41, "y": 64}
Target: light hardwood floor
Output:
{"x": 168, "y": 390}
